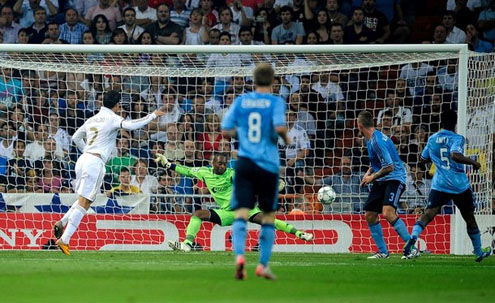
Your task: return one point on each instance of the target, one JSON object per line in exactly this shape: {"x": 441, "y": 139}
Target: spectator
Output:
{"x": 21, "y": 124}
{"x": 376, "y": 21}
{"x": 38, "y": 107}
{"x": 73, "y": 116}
{"x": 486, "y": 22}
{"x": 386, "y": 123}
{"x": 35, "y": 151}
{"x": 454, "y": 34}
{"x": 336, "y": 34}
{"x": 155, "y": 147}
{"x": 210, "y": 14}
{"x": 174, "y": 149}
{"x": 146, "y": 183}
{"x": 101, "y": 29}
{"x": 60, "y": 135}
{"x": 123, "y": 159}
{"x": 145, "y": 15}
{"x": 223, "y": 60}
{"x": 417, "y": 190}
{"x": 180, "y": 13}
{"x": 26, "y": 9}
{"x": 164, "y": 30}
{"x": 294, "y": 154}
{"x": 226, "y": 24}
{"x": 8, "y": 27}
{"x": 32, "y": 182}
{"x": 195, "y": 33}
{"x": 357, "y": 33}
{"x": 359, "y": 155}
{"x": 262, "y": 28}
{"x": 119, "y": 37}
{"x": 51, "y": 180}
{"x": 72, "y": 30}
{"x": 190, "y": 158}
{"x": 329, "y": 90}
{"x": 169, "y": 185}
{"x": 11, "y": 91}
{"x": 323, "y": 26}
{"x": 37, "y": 31}
{"x": 332, "y": 7}
{"x": 288, "y": 31}
{"x": 186, "y": 128}
{"x": 53, "y": 35}
{"x": 345, "y": 183}
{"x": 111, "y": 13}
{"x": 23, "y": 36}
{"x": 199, "y": 112}
{"x": 401, "y": 115}
{"x": 313, "y": 101}
{"x": 312, "y": 38}
{"x": 415, "y": 75}
{"x": 8, "y": 140}
{"x": 209, "y": 140}
{"x": 448, "y": 78}
{"x": 132, "y": 30}
{"x": 304, "y": 119}
{"x": 408, "y": 151}
{"x": 214, "y": 36}
{"x": 463, "y": 14}
{"x": 440, "y": 34}
{"x": 83, "y": 7}
{"x": 474, "y": 42}
{"x": 241, "y": 14}
{"x": 125, "y": 187}
{"x": 173, "y": 113}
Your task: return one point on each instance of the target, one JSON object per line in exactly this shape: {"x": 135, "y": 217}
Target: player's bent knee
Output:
{"x": 203, "y": 214}
{"x": 371, "y": 217}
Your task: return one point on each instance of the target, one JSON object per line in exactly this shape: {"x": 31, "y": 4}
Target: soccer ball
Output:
{"x": 326, "y": 195}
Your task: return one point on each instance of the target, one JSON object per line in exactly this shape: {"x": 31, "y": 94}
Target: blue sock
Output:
{"x": 239, "y": 236}
{"x": 418, "y": 228}
{"x": 475, "y": 236}
{"x": 401, "y": 229}
{"x": 267, "y": 237}
{"x": 377, "y": 235}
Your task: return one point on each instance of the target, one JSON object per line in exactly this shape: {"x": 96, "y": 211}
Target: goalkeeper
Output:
{"x": 218, "y": 180}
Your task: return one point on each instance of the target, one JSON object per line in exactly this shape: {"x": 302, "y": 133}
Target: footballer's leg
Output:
{"x": 267, "y": 191}
{"x": 58, "y": 227}
{"x": 373, "y": 206}
{"x": 282, "y": 226}
{"x": 73, "y": 223}
{"x": 465, "y": 203}
{"x": 192, "y": 230}
{"x": 435, "y": 201}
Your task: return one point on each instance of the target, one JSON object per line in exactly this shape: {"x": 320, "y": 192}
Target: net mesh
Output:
{"x": 45, "y": 97}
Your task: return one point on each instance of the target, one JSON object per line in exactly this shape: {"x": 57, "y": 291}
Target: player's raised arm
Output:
{"x": 138, "y": 123}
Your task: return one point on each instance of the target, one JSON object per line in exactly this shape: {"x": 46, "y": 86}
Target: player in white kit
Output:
{"x": 96, "y": 138}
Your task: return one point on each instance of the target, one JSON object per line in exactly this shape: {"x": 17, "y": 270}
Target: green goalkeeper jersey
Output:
{"x": 220, "y": 186}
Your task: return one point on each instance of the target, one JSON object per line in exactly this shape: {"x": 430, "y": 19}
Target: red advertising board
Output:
{"x": 333, "y": 233}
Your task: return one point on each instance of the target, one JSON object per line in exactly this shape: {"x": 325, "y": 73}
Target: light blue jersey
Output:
{"x": 382, "y": 153}
{"x": 450, "y": 176}
{"x": 255, "y": 116}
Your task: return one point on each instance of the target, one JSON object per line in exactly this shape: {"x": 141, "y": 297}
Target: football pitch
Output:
{"x": 50, "y": 276}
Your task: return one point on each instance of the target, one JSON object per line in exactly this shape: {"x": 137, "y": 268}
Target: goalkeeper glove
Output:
{"x": 162, "y": 160}
{"x": 281, "y": 185}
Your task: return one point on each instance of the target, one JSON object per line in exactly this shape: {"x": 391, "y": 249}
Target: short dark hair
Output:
{"x": 448, "y": 119}
{"x": 217, "y": 154}
{"x": 263, "y": 75}
{"x": 286, "y": 8}
{"x": 111, "y": 98}
{"x": 225, "y": 34}
{"x": 124, "y": 169}
{"x": 129, "y": 9}
{"x": 450, "y": 13}
{"x": 245, "y": 29}
{"x": 366, "y": 119}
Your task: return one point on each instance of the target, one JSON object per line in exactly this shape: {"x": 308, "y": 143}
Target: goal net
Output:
{"x": 47, "y": 92}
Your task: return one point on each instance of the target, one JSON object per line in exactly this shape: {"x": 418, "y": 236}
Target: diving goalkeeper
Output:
{"x": 219, "y": 181}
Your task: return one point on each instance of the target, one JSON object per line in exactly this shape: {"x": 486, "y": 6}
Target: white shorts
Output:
{"x": 90, "y": 171}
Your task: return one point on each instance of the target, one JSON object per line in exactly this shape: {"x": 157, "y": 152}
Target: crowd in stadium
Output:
{"x": 41, "y": 110}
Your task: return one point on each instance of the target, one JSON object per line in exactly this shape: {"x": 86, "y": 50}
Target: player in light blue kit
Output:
{"x": 450, "y": 182}
{"x": 388, "y": 176}
{"x": 256, "y": 119}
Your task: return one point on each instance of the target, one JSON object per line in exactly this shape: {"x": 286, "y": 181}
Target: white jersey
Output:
{"x": 101, "y": 130}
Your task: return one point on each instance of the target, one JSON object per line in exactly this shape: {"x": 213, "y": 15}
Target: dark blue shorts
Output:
{"x": 384, "y": 193}
{"x": 251, "y": 182}
{"x": 464, "y": 201}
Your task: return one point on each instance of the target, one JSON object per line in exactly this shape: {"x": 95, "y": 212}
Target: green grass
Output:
{"x": 50, "y": 276}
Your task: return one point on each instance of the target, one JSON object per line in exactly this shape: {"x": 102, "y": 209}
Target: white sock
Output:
{"x": 65, "y": 218}
{"x": 74, "y": 220}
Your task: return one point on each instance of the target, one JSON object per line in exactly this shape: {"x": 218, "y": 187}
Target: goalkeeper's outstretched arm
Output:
{"x": 180, "y": 169}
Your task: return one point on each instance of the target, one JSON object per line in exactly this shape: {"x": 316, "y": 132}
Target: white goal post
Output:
{"x": 405, "y": 87}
